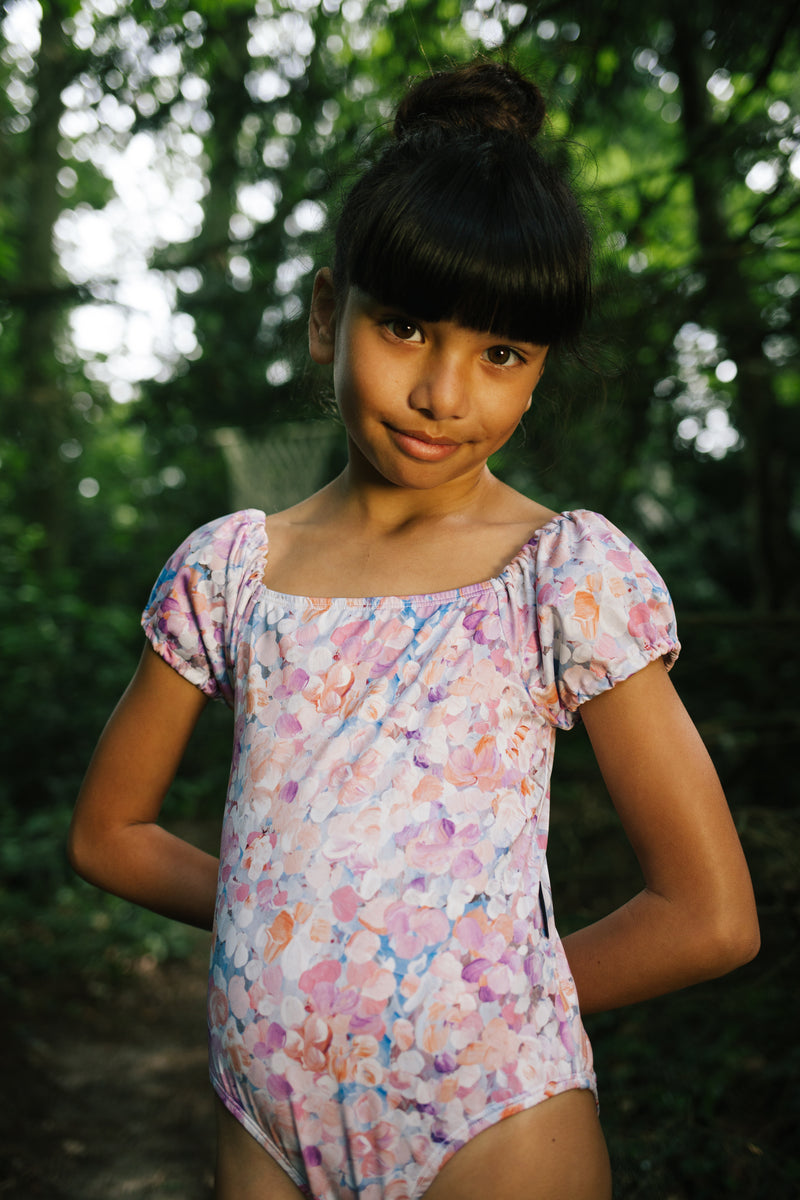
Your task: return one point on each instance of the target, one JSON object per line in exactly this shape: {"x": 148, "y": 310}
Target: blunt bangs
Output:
{"x": 493, "y": 241}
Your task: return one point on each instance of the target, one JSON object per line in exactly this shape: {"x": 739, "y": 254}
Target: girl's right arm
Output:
{"x": 114, "y": 839}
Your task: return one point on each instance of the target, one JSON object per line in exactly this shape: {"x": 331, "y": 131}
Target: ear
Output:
{"x": 322, "y": 319}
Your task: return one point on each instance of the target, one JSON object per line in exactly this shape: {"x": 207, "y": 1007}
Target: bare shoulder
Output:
{"x": 483, "y": 543}
{"x": 313, "y": 511}
{"x": 519, "y": 512}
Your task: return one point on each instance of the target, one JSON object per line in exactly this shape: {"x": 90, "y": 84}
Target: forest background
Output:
{"x": 166, "y": 171}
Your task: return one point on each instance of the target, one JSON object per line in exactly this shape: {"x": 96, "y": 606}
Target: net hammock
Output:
{"x": 276, "y": 471}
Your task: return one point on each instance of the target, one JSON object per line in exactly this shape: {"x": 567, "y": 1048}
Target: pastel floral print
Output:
{"x": 387, "y": 979}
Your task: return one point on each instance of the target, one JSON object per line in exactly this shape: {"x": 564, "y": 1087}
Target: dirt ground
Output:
{"x": 108, "y": 1099}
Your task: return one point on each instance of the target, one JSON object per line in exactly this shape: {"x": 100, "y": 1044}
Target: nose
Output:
{"x": 441, "y": 389}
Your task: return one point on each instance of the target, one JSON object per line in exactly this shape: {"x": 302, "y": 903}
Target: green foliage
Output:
{"x": 73, "y": 925}
{"x": 55, "y": 646}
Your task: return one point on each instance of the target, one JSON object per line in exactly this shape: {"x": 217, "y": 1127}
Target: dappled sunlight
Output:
{"x": 702, "y": 408}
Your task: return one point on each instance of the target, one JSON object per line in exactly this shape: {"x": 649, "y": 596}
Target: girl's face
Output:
{"x": 424, "y": 402}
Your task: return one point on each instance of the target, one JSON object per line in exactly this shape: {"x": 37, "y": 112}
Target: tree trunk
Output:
{"x": 735, "y": 314}
{"x": 39, "y": 415}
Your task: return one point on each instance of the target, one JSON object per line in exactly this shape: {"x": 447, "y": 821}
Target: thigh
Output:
{"x": 555, "y": 1151}
{"x": 245, "y": 1171}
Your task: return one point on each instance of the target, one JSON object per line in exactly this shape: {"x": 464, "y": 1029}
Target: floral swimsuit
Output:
{"x": 387, "y": 979}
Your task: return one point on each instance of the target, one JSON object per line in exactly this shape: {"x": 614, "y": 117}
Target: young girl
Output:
{"x": 391, "y": 1011}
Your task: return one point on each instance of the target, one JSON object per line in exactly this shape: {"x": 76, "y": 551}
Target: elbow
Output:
{"x": 80, "y": 854}
{"x": 733, "y": 940}
{"x": 74, "y": 852}
{"x": 748, "y": 943}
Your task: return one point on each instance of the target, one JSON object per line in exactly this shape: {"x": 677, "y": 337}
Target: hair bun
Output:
{"x": 483, "y": 97}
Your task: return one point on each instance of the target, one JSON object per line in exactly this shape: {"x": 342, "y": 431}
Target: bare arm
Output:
{"x": 114, "y": 840}
{"x": 695, "y": 918}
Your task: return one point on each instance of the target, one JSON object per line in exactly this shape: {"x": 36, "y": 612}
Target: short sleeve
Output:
{"x": 600, "y": 612}
{"x": 194, "y": 614}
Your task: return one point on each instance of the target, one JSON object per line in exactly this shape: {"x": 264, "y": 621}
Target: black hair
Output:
{"x": 461, "y": 217}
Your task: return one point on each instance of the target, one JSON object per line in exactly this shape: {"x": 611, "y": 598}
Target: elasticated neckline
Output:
{"x": 471, "y": 590}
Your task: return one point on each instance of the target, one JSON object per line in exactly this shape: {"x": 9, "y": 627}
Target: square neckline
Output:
{"x": 294, "y": 599}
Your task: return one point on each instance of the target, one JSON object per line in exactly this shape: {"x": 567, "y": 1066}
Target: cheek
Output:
{"x": 512, "y": 416}
{"x": 359, "y": 386}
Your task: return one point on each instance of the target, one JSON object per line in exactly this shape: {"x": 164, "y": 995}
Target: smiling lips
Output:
{"x": 423, "y": 446}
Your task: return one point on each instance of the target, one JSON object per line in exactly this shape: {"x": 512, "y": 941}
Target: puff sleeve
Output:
{"x": 196, "y": 607}
{"x": 599, "y": 611}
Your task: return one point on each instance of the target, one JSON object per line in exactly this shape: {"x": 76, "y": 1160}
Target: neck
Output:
{"x": 376, "y": 503}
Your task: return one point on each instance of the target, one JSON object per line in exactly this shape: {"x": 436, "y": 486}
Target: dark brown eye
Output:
{"x": 406, "y": 331}
{"x": 501, "y": 356}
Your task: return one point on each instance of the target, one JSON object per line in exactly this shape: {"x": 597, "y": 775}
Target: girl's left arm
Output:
{"x": 696, "y": 916}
